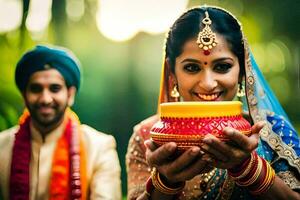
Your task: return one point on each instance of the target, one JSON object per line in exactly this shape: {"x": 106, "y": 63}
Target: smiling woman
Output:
{"x": 207, "y": 58}
{"x": 206, "y": 78}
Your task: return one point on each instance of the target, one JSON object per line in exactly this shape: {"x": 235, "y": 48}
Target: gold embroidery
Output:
{"x": 227, "y": 188}
{"x": 289, "y": 179}
{"x": 283, "y": 150}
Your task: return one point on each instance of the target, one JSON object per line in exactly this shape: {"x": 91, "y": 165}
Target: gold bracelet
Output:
{"x": 267, "y": 182}
{"x": 255, "y": 176}
{"x": 161, "y": 187}
{"x": 252, "y": 161}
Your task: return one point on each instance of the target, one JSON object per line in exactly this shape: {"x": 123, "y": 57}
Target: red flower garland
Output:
{"x": 19, "y": 175}
{"x": 68, "y": 180}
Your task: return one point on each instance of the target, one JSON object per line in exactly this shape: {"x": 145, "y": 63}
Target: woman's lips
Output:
{"x": 209, "y": 97}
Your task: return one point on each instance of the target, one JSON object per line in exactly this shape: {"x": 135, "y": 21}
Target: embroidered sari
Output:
{"x": 278, "y": 143}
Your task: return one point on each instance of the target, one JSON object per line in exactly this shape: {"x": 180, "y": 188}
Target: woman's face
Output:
{"x": 212, "y": 77}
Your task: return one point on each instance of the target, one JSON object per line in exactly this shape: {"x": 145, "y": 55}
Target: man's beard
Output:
{"x": 43, "y": 121}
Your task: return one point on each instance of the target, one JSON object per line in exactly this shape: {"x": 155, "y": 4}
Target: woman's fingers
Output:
{"x": 242, "y": 141}
{"x": 150, "y": 144}
{"x": 222, "y": 154}
{"x": 258, "y": 126}
{"x": 235, "y": 150}
{"x": 247, "y": 143}
{"x": 198, "y": 166}
{"x": 157, "y": 156}
{"x": 175, "y": 168}
{"x": 185, "y": 159}
{"x": 216, "y": 147}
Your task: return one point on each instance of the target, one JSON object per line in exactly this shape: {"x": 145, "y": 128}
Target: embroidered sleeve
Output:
{"x": 287, "y": 133}
{"x": 138, "y": 170}
{"x": 276, "y": 138}
{"x": 280, "y": 137}
{"x": 289, "y": 178}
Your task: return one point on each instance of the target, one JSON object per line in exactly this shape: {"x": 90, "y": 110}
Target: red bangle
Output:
{"x": 244, "y": 169}
{"x": 149, "y": 186}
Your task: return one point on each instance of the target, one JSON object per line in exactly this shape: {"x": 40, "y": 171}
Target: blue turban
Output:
{"x": 40, "y": 58}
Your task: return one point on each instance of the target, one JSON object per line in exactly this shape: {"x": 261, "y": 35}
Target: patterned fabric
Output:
{"x": 278, "y": 144}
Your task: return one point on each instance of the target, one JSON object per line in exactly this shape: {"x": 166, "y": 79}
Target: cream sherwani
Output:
{"x": 103, "y": 167}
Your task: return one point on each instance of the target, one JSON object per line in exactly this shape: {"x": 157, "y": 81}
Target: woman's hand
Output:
{"x": 175, "y": 168}
{"x": 229, "y": 154}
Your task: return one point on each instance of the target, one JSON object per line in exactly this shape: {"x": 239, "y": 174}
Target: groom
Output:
{"x": 50, "y": 154}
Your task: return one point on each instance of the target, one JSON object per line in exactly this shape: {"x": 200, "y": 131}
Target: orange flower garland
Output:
{"x": 69, "y": 164}
{"x": 59, "y": 185}
{"x": 68, "y": 175}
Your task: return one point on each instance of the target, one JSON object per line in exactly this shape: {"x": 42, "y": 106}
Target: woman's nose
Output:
{"x": 208, "y": 81}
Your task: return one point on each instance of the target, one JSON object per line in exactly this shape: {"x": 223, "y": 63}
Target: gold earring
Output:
{"x": 174, "y": 92}
{"x": 241, "y": 90}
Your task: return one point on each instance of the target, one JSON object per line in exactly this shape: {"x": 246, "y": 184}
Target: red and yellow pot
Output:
{"x": 186, "y": 123}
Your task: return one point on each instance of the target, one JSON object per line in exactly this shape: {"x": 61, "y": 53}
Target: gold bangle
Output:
{"x": 267, "y": 182}
{"x": 253, "y": 159}
{"x": 255, "y": 176}
{"x": 161, "y": 187}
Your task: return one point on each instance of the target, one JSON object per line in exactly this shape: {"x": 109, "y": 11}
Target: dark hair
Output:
{"x": 188, "y": 25}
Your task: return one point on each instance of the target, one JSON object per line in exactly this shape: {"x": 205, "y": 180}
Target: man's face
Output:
{"x": 47, "y": 97}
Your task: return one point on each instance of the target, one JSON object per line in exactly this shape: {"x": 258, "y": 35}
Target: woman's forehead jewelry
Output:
{"x": 206, "y": 38}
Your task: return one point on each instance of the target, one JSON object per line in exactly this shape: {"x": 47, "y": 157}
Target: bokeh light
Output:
{"x": 275, "y": 57}
{"x": 260, "y": 56}
{"x": 122, "y": 20}
{"x": 10, "y": 15}
{"x": 39, "y": 17}
{"x": 281, "y": 88}
{"x": 75, "y": 9}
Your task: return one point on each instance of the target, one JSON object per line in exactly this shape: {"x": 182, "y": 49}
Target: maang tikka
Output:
{"x": 206, "y": 38}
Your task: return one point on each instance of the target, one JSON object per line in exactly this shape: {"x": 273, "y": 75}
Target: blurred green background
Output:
{"x": 120, "y": 43}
